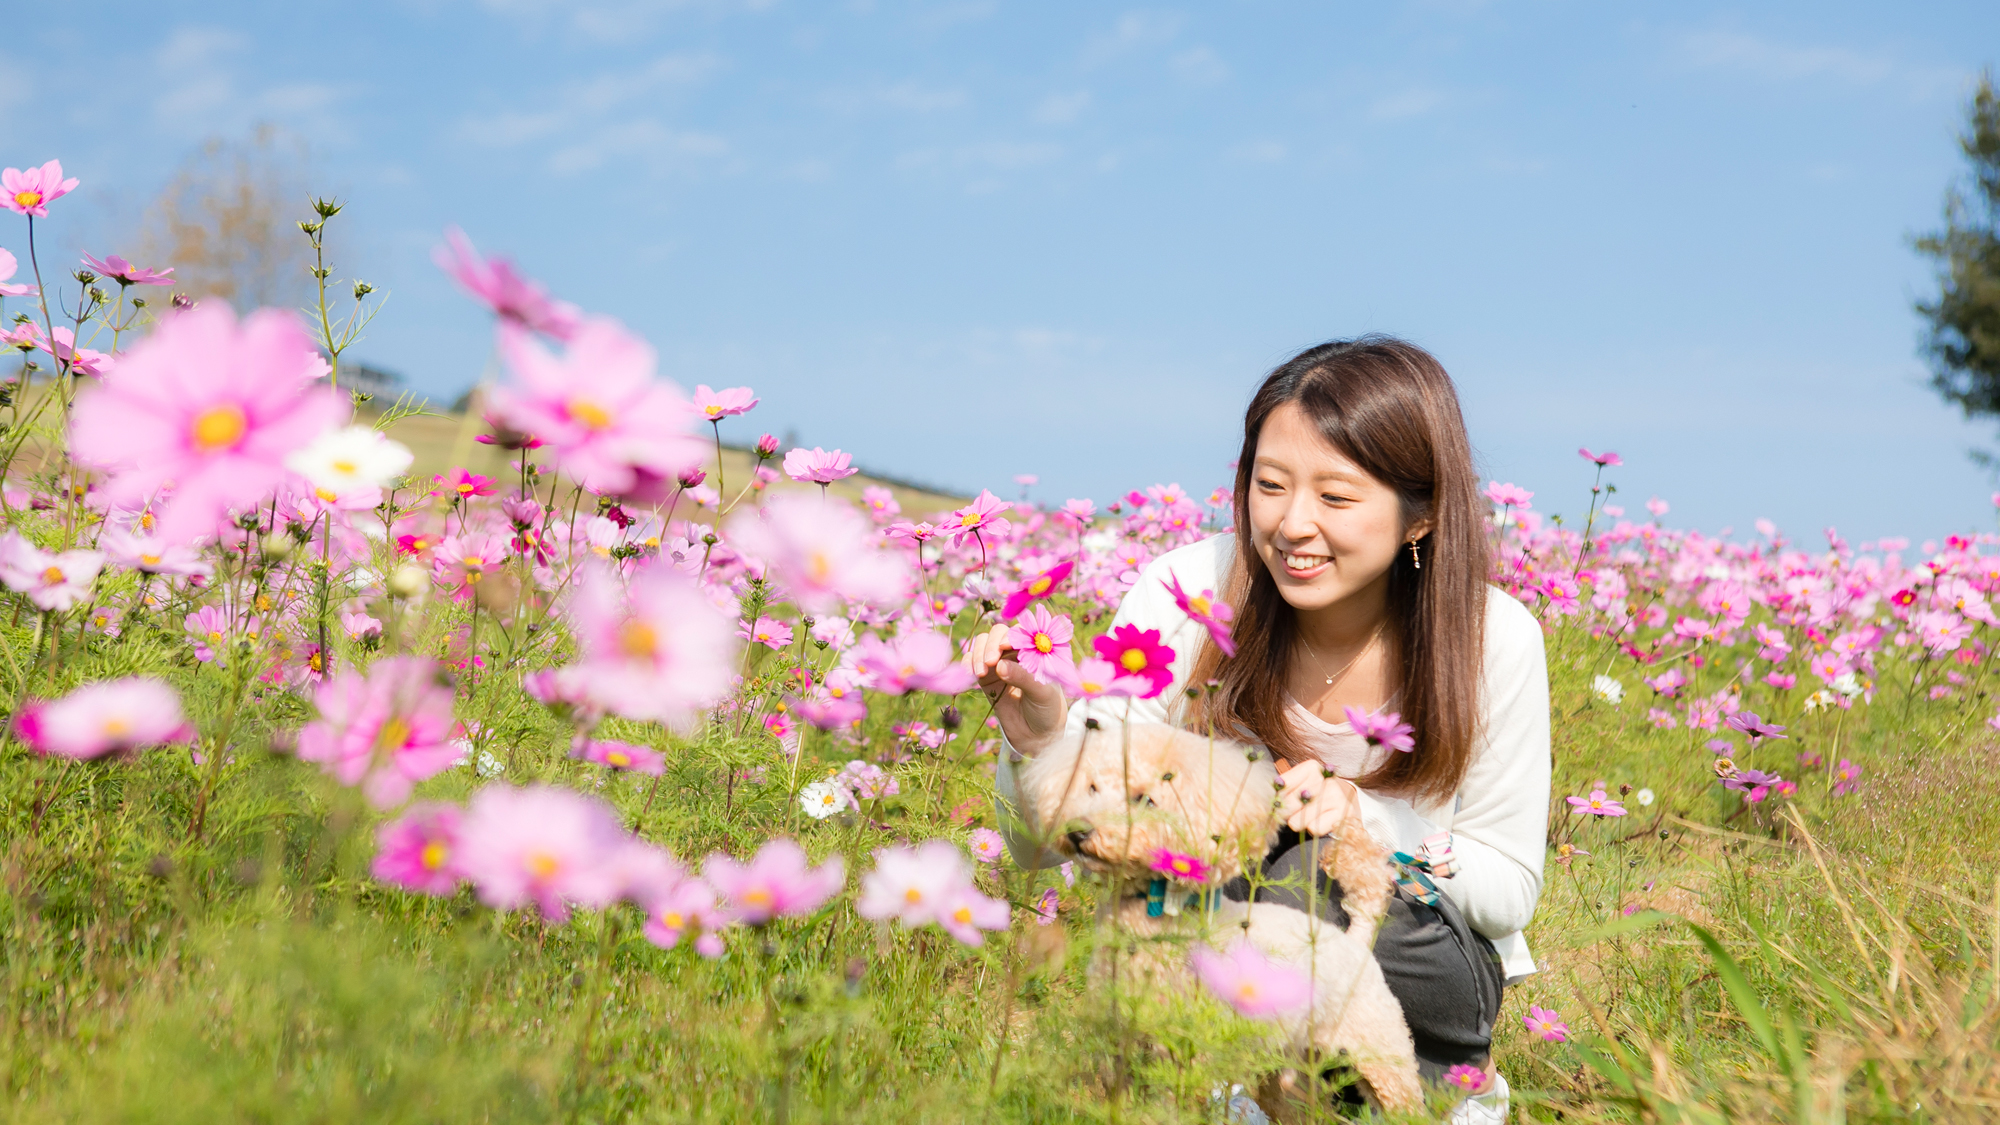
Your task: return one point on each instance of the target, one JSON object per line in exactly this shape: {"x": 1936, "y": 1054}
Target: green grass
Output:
{"x": 256, "y": 973}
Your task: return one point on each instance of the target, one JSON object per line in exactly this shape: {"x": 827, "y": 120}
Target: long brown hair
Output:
{"x": 1388, "y": 406}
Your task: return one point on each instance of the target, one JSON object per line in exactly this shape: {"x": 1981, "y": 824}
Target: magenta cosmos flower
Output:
{"x": 1136, "y": 653}
{"x": 1035, "y": 589}
{"x": 552, "y": 847}
{"x": 775, "y": 883}
{"x": 818, "y": 466}
{"x": 419, "y": 850}
{"x": 209, "y": 406}
{"x": 125, "y": 273}
{"x": 1546, "y": 1024}
{"x": 823, "y": 553}
{"x": 655, "y": 649}
{"x": 1251, "y": 983}
{"x": 624, "y": 756}
{"x": 1179, "y": 865}
{"x": 385, "y": 730}
{"x": 713, "y": 405}
{"x": 920, "y": 660}
{"x": 980, "y": 516}
{"x": 1211, "y": 612}
{"x": 1466, "y": 1077}
{"x": 109, "y": 717}
{"x": 1386, "y": 730}
{"x": 7, "y": 267}
{"x": 1607, "y": 457}
{"x": 30, "y": 192}
{"x": 615, "y": 428}
{"x": 513, "y": 298}
{"x": 1598, "y": 803}
{"x": 1040, "y": 642}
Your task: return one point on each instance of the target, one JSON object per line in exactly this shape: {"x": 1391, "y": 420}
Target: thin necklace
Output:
{"x": 1372, "y": 637}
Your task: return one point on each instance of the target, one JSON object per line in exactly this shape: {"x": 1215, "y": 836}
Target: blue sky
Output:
{"x": 964, "y": 240}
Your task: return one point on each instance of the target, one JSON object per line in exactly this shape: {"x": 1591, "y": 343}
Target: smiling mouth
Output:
{"x": 1305, "y": 564}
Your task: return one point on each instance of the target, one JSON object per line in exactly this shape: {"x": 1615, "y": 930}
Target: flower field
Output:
{"x": 601, "y": 779}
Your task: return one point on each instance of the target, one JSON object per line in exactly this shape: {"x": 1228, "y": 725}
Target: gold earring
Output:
{"x": 1414, "y": 560}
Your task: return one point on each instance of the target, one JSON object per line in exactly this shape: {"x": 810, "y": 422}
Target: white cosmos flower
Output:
{"x": 822, "y": 799}
{"x": 1607, "y": 689}
{"x": 1644, "y": 796}
{"x": 343, "y": 462}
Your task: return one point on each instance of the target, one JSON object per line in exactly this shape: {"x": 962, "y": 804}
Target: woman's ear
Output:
{"x": 1417, "y": 530}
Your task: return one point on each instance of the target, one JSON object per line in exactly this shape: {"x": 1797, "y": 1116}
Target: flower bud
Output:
{"x": 407, "y": 582}
{"x": 692, "y": 478}
{"x": 949, "y": 718}
{"x": 278, "y": 548}
{"x": 767, "y": 446}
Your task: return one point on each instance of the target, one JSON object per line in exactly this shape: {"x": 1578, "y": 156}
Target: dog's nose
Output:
{"x": 1077, "y": 838}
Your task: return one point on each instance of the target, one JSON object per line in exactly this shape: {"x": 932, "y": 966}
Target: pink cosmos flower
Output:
{"x": 1657, "y": 506}
{"x": 913, "y": 885}
{"x": 1941, "y": 631}
{"x": 880, "y": 503}
{"x": 1212, "y": 613}
{"x": 147, "y": 555}
{"x": 1045, "y": 908}
{"x": 920, "y": 532}
{"x": 1751, "y": 724}
{"x": 53, "y": 582}
{"x": 921, "y": 660}
{"x": 1041, "y": 586}
{"x": 209, "y": 627}
{"x": 1466, "y": 1077}
{"x": 1846, "y": 778}
{"x": 107, "y": 717}
{"x": 7, "y": 267}
{"x": 384, "y": 731}
{"x": 614, "y": 427}
{"x": 817, "y": 466}
{"x": 1041, "y": 643}
{"x": 688, "y": 907}
{"x": 775, "y": 883}
{"x": 1097, "y": 678}
{"x": 464, "y": 559}
{"x": 823, "y": 553}
{"x": 81, "y": 361}
{"x": 1387, "y": 730}
{"x": 419, "y": 850}
{"x": 31, "y": 192}
{"x": 987, "y": 844}
{"x": 1251, "y": 983}
{"x": 513, "y": 298}
{"x": 1597, "y": 804}
{"x": 713, "y": 406}
{"x": 359, "y": 625}
{"x": 1077, "y": 513}
{"x": 1605, "y": 458}
{"x": 764, "y": 631}
{"x": 968, "y": 912}
{"x": 982, "y": 515}
{"x": 1509, "y": 495}
{"x": 462, "y": 484}
{"x": 830, "y": 712}
{"x": 209, "y": 406}
{"x": 1544, "y": 1022}
{"x": 552, "y": 847}
{"x": 125, "y": 273}
{"x": 623, "y": 756}
{"x": 1137, "y": 653}
{"x": 1179, "y": 865}
{"x": 658, "y": 649}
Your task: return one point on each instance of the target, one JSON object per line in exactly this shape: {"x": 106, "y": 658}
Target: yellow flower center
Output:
{"x": 712, "y": 410}
{"x": 219, "y": 427}
{"x": 1246, "y": 991}
{"x": 432, "y": 857}
{"x": 618, "y": 758}
{"x": 970, "y": 519}
{"x": 1132, "y": 660}
{"x": 913, "y": 895}
{"x": 346, "y": 468}
{"x": 673, "y": 919}
{"x": 117, "y": 726}
{"x": 588, "y": 414}
{"x": 1200, "y": 605}
{"x": 214, "y": 637}
{"x": 28, "y": 198}
{"x": 1040, "y": 586}
{"x": 1043, "y": 644}
{"x": 963, "y": 915}
{"x": 542, "y": 865}
{"x": 52, "y": 576}
{"x": 394, "y": 735}
{"x": 326, "y": 494}
{"x": 638, "y": 639}
{"x": 757, "y": 897}
{"x": 263, "y": 603}
{"x": 818, "y": 566}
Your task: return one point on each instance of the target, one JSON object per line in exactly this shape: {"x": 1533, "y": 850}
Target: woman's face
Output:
{"x": 1325, "y": 527}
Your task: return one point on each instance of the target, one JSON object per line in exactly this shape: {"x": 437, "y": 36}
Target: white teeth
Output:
{"x": 1304, "y": 562}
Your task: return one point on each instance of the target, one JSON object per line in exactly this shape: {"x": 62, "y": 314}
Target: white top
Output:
{"x": 1499, "y": 818}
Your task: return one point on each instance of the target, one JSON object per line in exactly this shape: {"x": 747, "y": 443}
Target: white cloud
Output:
{"x": 1765, "y": 59}
{"x": 589, "y": 119}
{"x": 193, "y": 48}
{"x": 648, "y": 142}
{"x": 908, "y": 96}
{"x": 608, "y": 21}
{"x": 202, "y": 89}
{"x": 1260, "y": 152}
{"x": 1061, "y": 109}
{"x": 1133, "y": 31}
{"x": 988, "y": 155}
{"x": 1198, "y": 66}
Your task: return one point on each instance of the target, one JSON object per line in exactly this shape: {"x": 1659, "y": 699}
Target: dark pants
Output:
{"x": 1446, "y": 976}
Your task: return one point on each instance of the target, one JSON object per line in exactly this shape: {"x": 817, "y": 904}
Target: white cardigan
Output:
{"x": 1499, "y": 818}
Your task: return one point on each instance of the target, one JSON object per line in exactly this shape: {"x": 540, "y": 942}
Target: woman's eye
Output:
{"x": 1332, "y": 499}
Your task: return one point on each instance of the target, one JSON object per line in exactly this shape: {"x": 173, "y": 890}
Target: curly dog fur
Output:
{"x": 1111, "y": 798}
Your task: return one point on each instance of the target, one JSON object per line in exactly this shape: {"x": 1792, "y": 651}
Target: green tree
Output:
{"x": 1963, "y": 341}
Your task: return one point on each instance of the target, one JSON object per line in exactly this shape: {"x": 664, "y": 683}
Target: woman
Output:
{"x": 1358, "y": 571}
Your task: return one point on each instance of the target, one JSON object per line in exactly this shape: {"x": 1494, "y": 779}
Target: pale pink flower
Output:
{"x": 623, "y": 756}
{"x": 385, "y": 730}
{"x": 1045, "y": 907}
{"x": 823, "y": 553}
{"x": 967, "y": 912}
{"x": 31, "y": 192}
{"x": 776, "y": 882}
{"x": 818, "y": 466}
{"x": 1211, "y": 612}
{"x": 657, "y": 649}
{"x": 148, "y": 555}
{"x": 1657, "y": 506}
{"x": 53, "y": 582}
{"x": 1545, "y": 1024}
{"x": 209, "y": 406}
{"x": 1509, "y": 495}
{"x": 1077, "y": 513}
{"x": 987, "y": 844}
{"x": 713, "y": 405}
{"x": 982, "y": 515}
{"x": 921, "y": 660}
{"x": 688, "y": 907}
{"x": 1098, "y": 678}
{"x": 614, "y": 428}
{"x": 1605, "y": 458}
{"x": 419, "y": 850}
{"x": 913, "y": 885}
{"x": 512, "y": 297}
{"x": 1041, "y": 641}
{"x": 1251, "y": 983}
{"x": 7, "y": 267}
{"x": 552, "y": 847}
{"x": 880, "y": 503}
{"x": 125, "y": 273}
{"x": 464, "y": 559}
{"x": 765, "y": 631}
{"x": 1387, "y": 730}
{"x": 359, "y": 625}
{"x": 107, "y": 717}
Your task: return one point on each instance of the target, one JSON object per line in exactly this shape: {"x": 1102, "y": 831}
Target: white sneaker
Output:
{"x": 1489, "y": 1108}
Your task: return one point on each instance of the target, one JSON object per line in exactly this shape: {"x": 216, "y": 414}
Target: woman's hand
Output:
{"x": 1031, "y": 713}
{"x": 1313, "y": 802}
